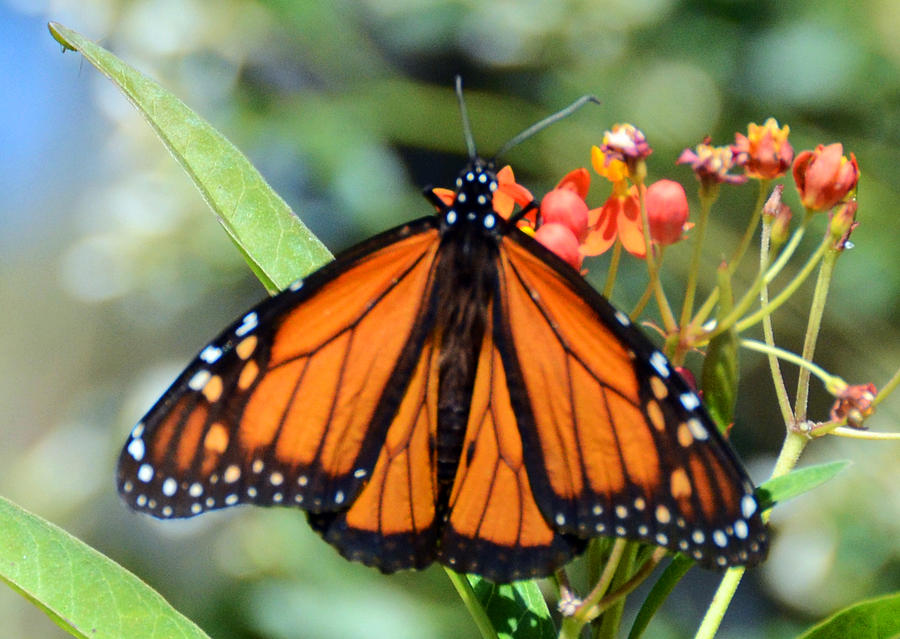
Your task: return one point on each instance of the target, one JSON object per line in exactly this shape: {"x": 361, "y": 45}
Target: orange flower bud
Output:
{"x": 667, "y": 211}
{"x": 824, "y": 177}
{"x": 560, "y": 239}
{"x": 564, "y": 206}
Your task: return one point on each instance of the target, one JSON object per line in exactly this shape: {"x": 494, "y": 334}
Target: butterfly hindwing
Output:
{"x": 494, "y": 526}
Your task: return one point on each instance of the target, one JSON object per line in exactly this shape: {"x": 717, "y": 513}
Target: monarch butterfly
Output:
{"x": 452, "y": 391}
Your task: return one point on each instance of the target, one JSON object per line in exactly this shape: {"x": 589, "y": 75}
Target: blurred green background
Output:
{"x": 114, "y": 273}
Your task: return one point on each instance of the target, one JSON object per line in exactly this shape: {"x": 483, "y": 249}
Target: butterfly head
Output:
{"x": 473, "y": 205}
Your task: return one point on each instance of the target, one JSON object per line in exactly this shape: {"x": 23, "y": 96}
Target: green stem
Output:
{"x": 793, "y": 445}
{"x": 785, "y": 255}
{"x": 785, "y": 294}
{"x": 698, "y": 236}
{"x": 719, "y": 605}
{"x": 751, "y": 227}
{"x": 832, "y": 382}
{"x": 467, "y": 594}
{"x": 817, "y": 309}
{"x": 784, "y": 402}
{"x": 613, "y": 270}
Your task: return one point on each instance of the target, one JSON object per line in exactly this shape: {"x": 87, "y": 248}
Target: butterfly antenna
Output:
{"x": 467, "y": 126}
{"x": 543, "y": 124}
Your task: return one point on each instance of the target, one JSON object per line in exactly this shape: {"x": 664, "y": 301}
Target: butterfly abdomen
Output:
{"x": 464, "y": 280}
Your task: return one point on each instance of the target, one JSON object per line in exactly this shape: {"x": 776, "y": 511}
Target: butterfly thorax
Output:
{"x": 465, "y": 276}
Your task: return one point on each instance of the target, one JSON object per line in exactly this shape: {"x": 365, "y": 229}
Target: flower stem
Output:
{"x": 699, "y": 235}
{"x": 817, "y": 309}
{"x": 751, "y": 227}
{"x": 718, "y": 606}
{"x": 784, "y": 402}
{"x": 613, "y": 269}
{"x": 832, "y": 382}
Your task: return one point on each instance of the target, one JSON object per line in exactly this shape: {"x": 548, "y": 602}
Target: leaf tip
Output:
{"x": 56, "y": 30}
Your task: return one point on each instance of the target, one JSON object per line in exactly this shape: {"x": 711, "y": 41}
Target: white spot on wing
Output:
{"x": 658, "y": 362}
{"x": 211, "y": 354}
{"x": 622, "y": 318}
{"x": 198, "y": 381}
{"x": 145, "y": 473}
{"x": 698, "y": 430}
{"x": 250, "y": 321}
{"x": 690, "y": 401}
{"x": 169, "y": 487}
{"x": 748, "y": 506}
{"x": 136, "y": 449}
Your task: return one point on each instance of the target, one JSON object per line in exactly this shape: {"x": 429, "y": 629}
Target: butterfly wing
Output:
{"x": 494, "y": 527}
{"x": 580, "y": 428}
{"x": 614, "y": 441}
{"x": 308, "y": 400}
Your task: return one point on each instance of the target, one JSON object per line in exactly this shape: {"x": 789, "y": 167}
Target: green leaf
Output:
{"x": 720, "y": 374}
{"x": 661, "y": 589}
{"x": 276, "y": 244}
{"x": 516, "y": 610}
{"x": 797, "y": 482}
{"x": 877, "y": 618}
{"x": 82, "y": 591}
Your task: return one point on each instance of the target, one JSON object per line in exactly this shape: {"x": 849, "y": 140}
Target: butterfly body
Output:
{"x": 448, "y": 391}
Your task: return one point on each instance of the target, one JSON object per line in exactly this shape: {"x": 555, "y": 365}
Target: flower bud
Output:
{"x": 667, "y": 211}
{"x": 560, "y": 239}
{"x": 824, "y": 177}
{"x": 564, "y": 206}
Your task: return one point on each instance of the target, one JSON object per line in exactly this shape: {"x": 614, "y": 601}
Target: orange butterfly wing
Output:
{"x": 615, "y": 443}
{"x": 271, "y": 411}
{"x": 494, "y": 527}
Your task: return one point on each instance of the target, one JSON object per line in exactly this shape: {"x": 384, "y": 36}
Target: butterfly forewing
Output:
{"x": 292, "y": 403}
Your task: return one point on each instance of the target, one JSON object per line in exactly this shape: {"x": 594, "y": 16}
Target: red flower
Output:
{"x": 667, "y": 211}
{"x": 619, "y": 217}
{"x": 824, "y": 177}
{"x": 764, "y": 152}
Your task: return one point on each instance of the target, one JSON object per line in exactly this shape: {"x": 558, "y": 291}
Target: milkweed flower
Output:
{"x": 509, "y": 193}
{"x": 711, "y": 164}
{"x": 764, "y": 152}
{"x": 623, "y": 143}
{"x": 618, "y": 218}
{"x": 825, "y": 176}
